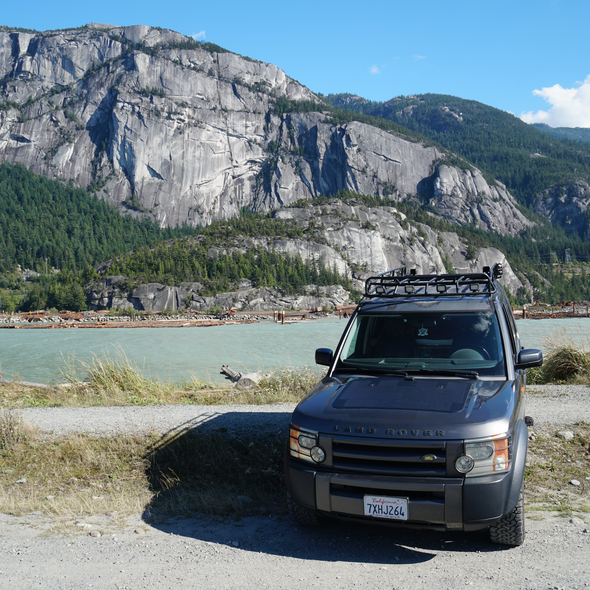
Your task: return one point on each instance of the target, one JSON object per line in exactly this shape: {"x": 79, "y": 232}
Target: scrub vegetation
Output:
{"x": 564, "y": 362}
{"x": 120, "y": 382}
{"x": 180, "y": 474}
{"x": 557, "y": 476}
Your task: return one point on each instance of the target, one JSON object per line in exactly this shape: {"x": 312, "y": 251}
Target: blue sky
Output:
{"x": 528, "y": 57}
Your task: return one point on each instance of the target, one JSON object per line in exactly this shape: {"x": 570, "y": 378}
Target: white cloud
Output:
{"x": 570, "y": 107}
{"x": 418, "y": 57}
{"x": 198, "y": 36}
{"x": 375, "y": 70}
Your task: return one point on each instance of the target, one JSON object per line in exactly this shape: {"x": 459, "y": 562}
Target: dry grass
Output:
{"x": 120, "y": 382}
{"x": 186, "y": 473}
{"x": 217, "y": 474}
{"x": 564, "y": 361}
{"x": 213, "y": 473}
{"x": 553, "y": 463}
{"x": 183, "y": 473}
{"x": 13, "y": 430}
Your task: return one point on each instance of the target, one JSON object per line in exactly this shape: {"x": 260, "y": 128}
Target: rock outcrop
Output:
{"x": 567, "y": 205}
{"x": 156, "y": 297}
{"x": 359, "y": 241}
{"x": 162, "y": 126}
{"x": 464, "y": 196}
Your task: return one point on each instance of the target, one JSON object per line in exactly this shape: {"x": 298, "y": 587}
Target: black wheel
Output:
{"x": 509, "y": 530}
{"x": 302, "y": 515}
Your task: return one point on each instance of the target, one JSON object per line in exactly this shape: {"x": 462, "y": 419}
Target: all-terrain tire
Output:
{"x": 302, "y": 515}
{"x": 509, "y": 530}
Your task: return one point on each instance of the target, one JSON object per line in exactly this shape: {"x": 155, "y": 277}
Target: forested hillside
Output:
{"x": 191, "y": 260}
{"x": 525, "y": 159}
{"x": 45, "y": 223}
{"x": 573, "y": 133}
{"x": 221, "y": 254}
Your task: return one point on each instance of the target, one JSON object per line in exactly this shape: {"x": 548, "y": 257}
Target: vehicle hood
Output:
{"x": 394, "y": 407}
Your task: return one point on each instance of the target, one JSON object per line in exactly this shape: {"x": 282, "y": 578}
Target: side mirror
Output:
{"x": 323, "y": 356}
{"x": 529, "y": 357}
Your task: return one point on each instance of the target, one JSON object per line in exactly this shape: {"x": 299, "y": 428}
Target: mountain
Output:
{"x": 573, "y": 133}
{"x": 530, "y": 163}
{"x": 187, "y": 133}
{"x": 287, "y": 194}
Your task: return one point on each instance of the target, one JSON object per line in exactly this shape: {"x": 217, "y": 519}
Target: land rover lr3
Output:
{"x": 420, "y": 419}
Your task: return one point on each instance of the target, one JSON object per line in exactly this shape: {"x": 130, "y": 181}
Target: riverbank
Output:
{"x": 543, "y": 311}
{"x": 187, "y": 319}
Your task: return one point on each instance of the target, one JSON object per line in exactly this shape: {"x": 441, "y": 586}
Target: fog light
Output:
{"x": 464, "y": 464}
{"x": 318, "y": 454}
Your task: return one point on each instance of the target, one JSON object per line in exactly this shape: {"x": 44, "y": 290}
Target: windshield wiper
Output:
{"x": 374, "y": 370}
{"x": 464, "y": 374}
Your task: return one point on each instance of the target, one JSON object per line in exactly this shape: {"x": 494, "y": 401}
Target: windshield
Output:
{"x": 425, "y": 341}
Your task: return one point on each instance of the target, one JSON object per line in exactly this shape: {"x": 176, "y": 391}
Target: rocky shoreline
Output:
{"x": 154, "y": 320}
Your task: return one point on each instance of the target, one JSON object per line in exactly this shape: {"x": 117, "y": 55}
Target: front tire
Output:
{"x": 509, "y": 530}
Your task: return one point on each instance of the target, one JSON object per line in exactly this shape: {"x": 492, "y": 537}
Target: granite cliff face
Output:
{"x": 359, "y": 241}
{"x": 567, "y": 205}
{"x": 187, "y": 133}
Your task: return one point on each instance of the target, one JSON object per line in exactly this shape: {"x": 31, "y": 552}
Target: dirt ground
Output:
{"x": 108, "y": 551}
{"x": 266, "y": 551}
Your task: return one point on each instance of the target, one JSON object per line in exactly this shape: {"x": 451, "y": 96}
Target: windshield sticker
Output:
{"x": 423, "y": 332}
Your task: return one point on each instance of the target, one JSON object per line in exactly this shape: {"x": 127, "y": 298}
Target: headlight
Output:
{"x": 306, "y": 441}
{"x": 303, "y": 444}
{"x": 486, "y": 456}
{"x": 480, "y": 451}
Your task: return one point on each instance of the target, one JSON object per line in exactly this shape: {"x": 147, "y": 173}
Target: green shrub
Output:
{"x": 566, "y": 363}
{"x": 564, "y": 360}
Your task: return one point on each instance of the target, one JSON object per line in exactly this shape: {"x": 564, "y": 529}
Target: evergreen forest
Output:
{"x": 46, "y": 225}
{"x": 574, "y": 133}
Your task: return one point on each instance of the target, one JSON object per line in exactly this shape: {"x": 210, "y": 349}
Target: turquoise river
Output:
{"x": 178, "y": 354}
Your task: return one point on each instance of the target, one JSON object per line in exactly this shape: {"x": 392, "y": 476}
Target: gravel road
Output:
{"x": 106, "y": 552}
{"x": 549, "y": 405}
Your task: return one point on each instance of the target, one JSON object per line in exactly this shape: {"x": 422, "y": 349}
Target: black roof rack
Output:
{"x": 399, "y": 283}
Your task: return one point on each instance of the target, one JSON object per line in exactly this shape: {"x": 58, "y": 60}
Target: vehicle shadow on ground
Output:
{"x": 230, "y": 468}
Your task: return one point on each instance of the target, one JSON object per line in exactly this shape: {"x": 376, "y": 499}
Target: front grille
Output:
{"x": 414, "y": 458}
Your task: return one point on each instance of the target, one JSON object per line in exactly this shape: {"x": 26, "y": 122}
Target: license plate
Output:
{"x": 385, "y": 507}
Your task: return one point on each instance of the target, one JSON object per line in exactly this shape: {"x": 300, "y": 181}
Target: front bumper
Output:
{"x": 438, "y": 503}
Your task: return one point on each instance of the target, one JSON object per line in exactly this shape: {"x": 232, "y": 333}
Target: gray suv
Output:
{"x": 420, "y": 418}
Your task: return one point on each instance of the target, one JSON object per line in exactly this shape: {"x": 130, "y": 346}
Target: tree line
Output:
{"x": 190, "y": 261}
